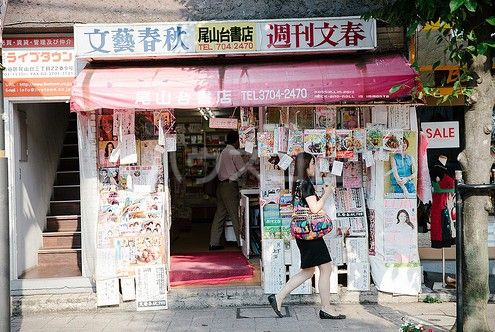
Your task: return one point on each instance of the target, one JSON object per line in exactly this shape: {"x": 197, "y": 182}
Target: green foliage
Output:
{"x": 432, "y": 299}
{"x": 465, "y": 26}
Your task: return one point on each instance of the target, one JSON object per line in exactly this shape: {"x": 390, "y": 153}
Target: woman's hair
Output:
{"x": 407, "y": 221}
{"x": 106, "y": 149}
{"x": 303, "y": 160}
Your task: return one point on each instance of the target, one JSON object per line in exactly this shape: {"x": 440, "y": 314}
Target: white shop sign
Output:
{"x": 442, "y": 134}
{"x": 223, "y": 123}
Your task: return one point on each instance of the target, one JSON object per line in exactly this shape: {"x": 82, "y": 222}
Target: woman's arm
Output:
{"x": 316, "y": 205}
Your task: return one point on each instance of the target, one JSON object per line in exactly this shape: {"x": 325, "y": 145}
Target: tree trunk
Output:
{"x": 476, "y": 162}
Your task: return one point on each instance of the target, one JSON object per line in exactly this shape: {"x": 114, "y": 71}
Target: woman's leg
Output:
{"x": 324, "y": 287}
{"x": 294, "y": 282}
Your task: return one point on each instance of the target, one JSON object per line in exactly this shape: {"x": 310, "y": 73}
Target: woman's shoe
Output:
{"x": 273, "y": 302}
{"x": 324, "y": 315}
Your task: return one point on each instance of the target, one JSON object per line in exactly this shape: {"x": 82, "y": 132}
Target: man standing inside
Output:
{"x": 230, "y": 167}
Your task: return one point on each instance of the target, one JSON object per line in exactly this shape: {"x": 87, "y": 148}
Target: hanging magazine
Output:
{"x": 296, "y": 142}
{"x": 315, "y": 141}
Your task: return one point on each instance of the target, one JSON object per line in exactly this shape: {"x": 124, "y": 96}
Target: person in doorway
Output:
{"x": 314, "y": 253}
{"x": 403, "y": 171}
{"x": 230, "y": 166}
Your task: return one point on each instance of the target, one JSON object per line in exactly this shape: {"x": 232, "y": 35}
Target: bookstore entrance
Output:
{"x": 193, "y": 200}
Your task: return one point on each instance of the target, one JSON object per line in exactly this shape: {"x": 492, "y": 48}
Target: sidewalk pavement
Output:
{"x": 360, "y": 317}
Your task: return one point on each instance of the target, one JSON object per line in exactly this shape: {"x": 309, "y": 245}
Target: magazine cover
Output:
{"x": 349, "y": 117}
{"x": 266, "y": 142}
{"x": 392, "y": 139}
{"x": 315, "y": 141}
{"x": 105, "y": 149}
{"x": 352, "y": 174}
{"x": 167, "y": 118}
{"x": 331, "y": 145}
{"x": 145, "y": 128}
{"x": 326, "y": 117}
{"x": 283, "y": 139}
{"x": 344, "y": 146}
{"x": 247, "y": 134}
{"x": 150, "y": 156}
{"x": 374, "y": 138}
{"x": 295, "y": 142}
{"x": 359, "y": 140}
{"x": 401, "y": 169}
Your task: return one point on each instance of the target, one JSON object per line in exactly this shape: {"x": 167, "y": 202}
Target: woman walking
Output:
{"x": 314, "y": 253}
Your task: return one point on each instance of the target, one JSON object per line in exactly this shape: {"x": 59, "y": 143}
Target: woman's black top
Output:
{"x": 313, "y": 252}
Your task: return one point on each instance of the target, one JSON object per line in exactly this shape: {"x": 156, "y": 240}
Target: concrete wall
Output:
{"x": 46, "y": 124}
{"x": 62, "y": 13}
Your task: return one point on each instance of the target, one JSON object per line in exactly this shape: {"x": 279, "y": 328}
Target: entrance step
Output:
{"x": 68, "y": 164}
{"x": 68, "y": 257}
{"x": 66, "y": 192}
{"x": 69, "y": 207}
{"x": 70, "y": 137}
{"x": 61, "y": 240}
{"x": 70, "y": 150}
{"x": 69, "y": 223}
{"x": 67, "y": 178}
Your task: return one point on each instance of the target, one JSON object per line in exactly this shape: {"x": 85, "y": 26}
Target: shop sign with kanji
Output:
{"x": 221, "y": 37}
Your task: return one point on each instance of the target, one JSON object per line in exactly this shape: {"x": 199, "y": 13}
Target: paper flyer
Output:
{"x": 123, "y": 122}
{"x": 151, "y": 288}
{"x": 128, "y": 150}
{"x": 315, "y": 141}
{"x": 107, "y": 292}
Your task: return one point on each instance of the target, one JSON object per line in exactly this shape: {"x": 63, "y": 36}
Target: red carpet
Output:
{"x": 209, "y": 268}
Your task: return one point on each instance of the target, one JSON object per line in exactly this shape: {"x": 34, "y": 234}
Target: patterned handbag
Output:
{"x": 306, "y": 225}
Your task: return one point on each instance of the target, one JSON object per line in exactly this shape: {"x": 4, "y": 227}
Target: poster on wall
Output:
{"x": 400, "y": 242}
{"x": 273, "y": 265}
{"x": 400, "y": 170}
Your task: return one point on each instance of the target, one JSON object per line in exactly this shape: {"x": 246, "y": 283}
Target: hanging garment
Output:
{"x": 441, "y": 192}
{"x": 424, "y": 181}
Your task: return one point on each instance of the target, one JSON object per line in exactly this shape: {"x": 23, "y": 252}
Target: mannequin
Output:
{"x": 443, "y": 188}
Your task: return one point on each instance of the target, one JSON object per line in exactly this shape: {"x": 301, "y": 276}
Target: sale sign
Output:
{"x": 442, "y": 134}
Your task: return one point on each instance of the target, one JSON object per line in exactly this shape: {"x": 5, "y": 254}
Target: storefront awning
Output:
{"x": 356, "y": 78}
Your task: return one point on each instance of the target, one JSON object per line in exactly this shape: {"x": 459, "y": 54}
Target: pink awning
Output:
{"x": 354, "y": 79}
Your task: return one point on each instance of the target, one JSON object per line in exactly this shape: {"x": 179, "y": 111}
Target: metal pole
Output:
{"x": 4, "y": 247}
{"x": 4, "y": 222}
{"x": 458, "y": 253}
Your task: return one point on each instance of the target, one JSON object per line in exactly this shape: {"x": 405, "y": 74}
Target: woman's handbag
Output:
{"x": 306, "y": 225}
